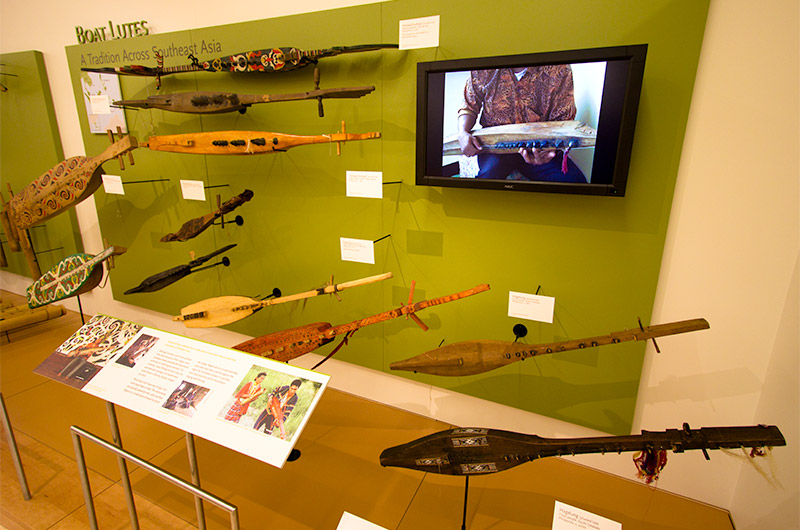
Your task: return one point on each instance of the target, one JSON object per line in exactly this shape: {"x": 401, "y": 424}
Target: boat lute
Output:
{"x": 479, "y": 356}
{"x": 547, "y": 135}
{"x": 245, "y": 142}
{"x": 477, "y": 451}
{"x": 194, "y": 227}
{"x": 220, "y": 102}
{"x": 289, "y": 344}
{"x": 223, "y": 310}
{"x": 165, "y": 278}
{"x": 63, "y": 186}
{"x": 264, "y": 60}
{"x": 72, "y": 276}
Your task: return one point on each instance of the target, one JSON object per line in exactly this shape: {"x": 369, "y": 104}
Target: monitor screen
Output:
{"x": 557, "y": 121}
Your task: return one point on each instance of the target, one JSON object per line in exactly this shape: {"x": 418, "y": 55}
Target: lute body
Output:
{"x": 63, "y": 186}
{"x": 479, "y": 356}
{"x": 289, "y": 344}
{"x": 505, "y": 139}
{"x": 477, "y": 451}
{"x": 72, "y": 276}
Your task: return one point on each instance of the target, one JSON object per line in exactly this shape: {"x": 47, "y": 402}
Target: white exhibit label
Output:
{"x": 419, "y": 33}
{"x": 193, "y": 190}
{"x": 100, "y": 104}
{"x": 367, "y": 184}
{"x": 531, "y": 306}
{"x": 250, "y": 404}
{"x": 358, "y": 250}
{"x": 352, "y": 522}
{"x": 566, "y": 517}
{"x": 113, "y": 184}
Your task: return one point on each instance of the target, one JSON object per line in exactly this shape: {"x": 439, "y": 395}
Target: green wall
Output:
{"x": 598, "y": 256}
{"x": 29, "y": 147}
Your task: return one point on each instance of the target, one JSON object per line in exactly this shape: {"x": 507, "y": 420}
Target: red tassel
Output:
{"x": 564, "y": 161}
{"x": 649, "y": 464}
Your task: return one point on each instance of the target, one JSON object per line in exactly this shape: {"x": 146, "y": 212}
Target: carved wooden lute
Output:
{"x": 72, "y": 276}
{"x": 223, "y": 310}
{"x": 478, "y": 356}
{"x": 194, "y": 227}
{"x": 162, "y": 279}
{"x": 289, "y": 344}
{"x": 547, "y": 135}
{"x": 264, "y": 60}
{"x": 477, "y": 451}
{"x": 63, "y": 186}
{"x": 220, "y": 102}
{"x": 245, "y": 142}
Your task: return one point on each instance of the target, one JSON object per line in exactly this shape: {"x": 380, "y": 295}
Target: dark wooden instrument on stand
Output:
{"x": 194, "y": 227}
{"x": 477, "y": 451}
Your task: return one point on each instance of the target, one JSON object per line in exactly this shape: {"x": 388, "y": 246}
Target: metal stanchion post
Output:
{"x": 87, "y": 488}
{"x": 198, "y": 502}
{"x": 123, "y": 466}
{"x": 12, "y": 442}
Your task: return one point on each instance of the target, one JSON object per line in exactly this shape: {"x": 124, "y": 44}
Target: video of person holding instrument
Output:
{"x": 520, "y": 95}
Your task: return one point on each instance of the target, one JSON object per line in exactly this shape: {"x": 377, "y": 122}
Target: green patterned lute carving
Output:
{"x": 71, "y": 276}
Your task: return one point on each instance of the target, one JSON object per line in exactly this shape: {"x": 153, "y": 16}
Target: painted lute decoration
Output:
{"x": 265, "y": 60}
{"x": 170, "y": 276}
{"x": 63, "y": 186}
{"x": 194, "y": 227}
{"x": 72, "y": 276}
{"x": 547, "y": 135}
{"x": 476, "y": 451}
{"x": 479, "y": 356}
{"x": 223, "y": 310}
{"x": 245, "y": 142}
{"x": 289, "y": 344}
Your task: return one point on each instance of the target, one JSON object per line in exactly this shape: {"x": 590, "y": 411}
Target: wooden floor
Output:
{"x": 337, "y": 472}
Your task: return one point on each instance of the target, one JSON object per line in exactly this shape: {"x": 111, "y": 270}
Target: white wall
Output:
{"x": 732, "y": 252}
{"x": 731, "y": 255}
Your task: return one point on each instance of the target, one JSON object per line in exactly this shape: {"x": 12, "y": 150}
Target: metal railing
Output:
{"x": 77, "y": 433}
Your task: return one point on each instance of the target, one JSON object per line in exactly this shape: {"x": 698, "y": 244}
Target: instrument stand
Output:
{"x": 80, "y": 310}
{"x": 12, "y": 442}
{"x": 466, "y": 491}
{"x": 238, "y": 221}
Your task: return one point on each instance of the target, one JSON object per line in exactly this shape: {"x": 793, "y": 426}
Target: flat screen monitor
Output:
{"x": 560, "y": 122}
